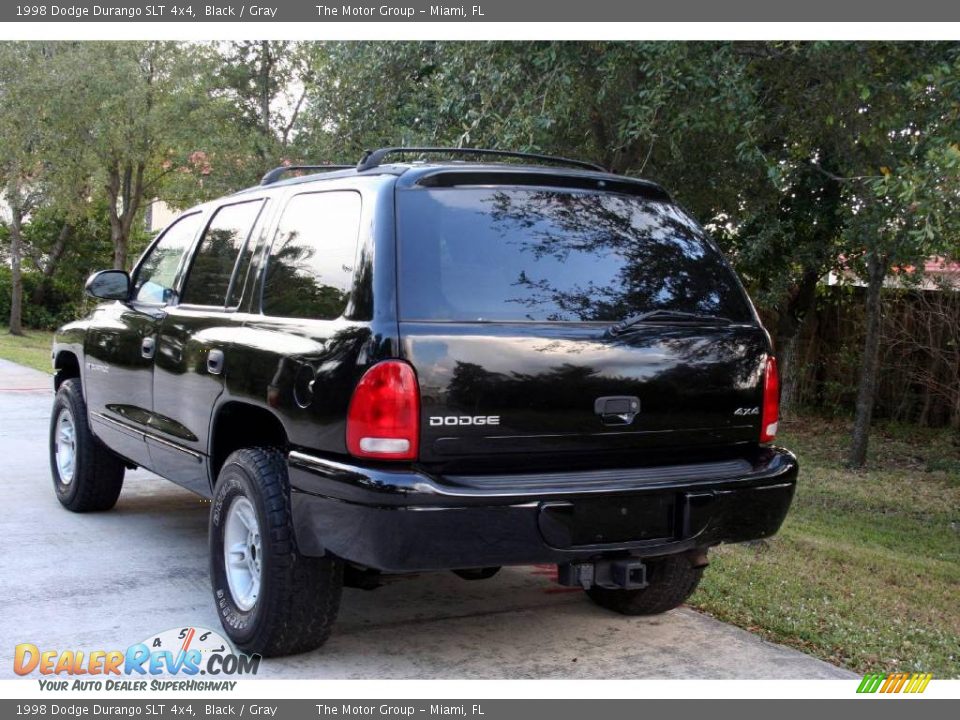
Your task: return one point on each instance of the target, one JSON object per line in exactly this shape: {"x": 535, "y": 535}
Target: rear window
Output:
{"x": 535, "y": 254}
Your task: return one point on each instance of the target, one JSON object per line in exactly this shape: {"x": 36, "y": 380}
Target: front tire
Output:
{"x": 271, "y": 599}
{"x": 87, "y": 477}
{"x": 671, "y": 580}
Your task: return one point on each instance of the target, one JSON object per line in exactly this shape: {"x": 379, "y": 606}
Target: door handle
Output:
{"x": 148, "y": 347}
{"x": 215, "y": 361}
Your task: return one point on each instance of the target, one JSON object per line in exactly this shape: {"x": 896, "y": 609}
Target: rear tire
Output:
{"x": 87, "y": 477}
{"x": 671, "y": 581}
{"x": 271, "y": 599}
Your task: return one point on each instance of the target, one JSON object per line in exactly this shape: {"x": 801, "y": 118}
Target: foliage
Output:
{"x": 60, "y": 305}
{"x": 897, "y": 106}
{"x": 264, "y": 83}
{"x": 634, "y": 107}
{"x": 865, "y": 569}
{"x": 24, "y": 170}
{"x": 131, "y": 121}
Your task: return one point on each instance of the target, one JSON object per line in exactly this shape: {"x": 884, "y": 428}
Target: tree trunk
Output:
{"x": 16, "y": 276}
{"x": 119, "y": 241}
{"x": 125, "y": 192}
{"x": 787, "y": 366}
{"x": 793, "y": 312}
{"x": 50, "y": 267}
{"x": 867, "y": 385}
{"x": 266, "y": 67}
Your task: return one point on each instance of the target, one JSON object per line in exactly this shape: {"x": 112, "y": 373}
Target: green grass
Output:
{"x": 31, "y": 349}
{"x": 865, "y": 572}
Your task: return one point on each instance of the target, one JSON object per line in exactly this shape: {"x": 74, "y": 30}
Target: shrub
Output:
{"x": 60, "y": 304}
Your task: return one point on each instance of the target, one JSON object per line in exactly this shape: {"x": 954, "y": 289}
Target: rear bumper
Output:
{"x": 406, "y": 520}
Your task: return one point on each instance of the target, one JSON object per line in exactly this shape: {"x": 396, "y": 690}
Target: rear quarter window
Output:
{"x": 544, "y": 254}
{"x": 310, "y": 270}
{"x": 217, "y": 258}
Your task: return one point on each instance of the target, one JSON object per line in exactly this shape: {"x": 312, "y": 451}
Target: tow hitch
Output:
{"x": 620, "y": 574}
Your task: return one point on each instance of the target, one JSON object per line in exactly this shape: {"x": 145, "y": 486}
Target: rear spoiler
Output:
{"x": 456, "y": 177}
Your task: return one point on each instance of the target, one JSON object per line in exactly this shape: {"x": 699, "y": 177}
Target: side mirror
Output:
{"x": 109, "y": 285}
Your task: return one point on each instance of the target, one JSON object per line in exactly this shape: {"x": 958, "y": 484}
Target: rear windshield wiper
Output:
{"x": 665, "y": 316}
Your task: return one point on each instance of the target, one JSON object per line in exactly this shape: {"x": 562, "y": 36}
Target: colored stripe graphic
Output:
{"x": 871, "y": 682}
{"x": 894, "y": 683}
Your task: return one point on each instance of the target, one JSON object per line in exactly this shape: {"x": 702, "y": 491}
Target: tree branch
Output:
{"x": 293, "y": 118}
{"x": 840, "y": 178}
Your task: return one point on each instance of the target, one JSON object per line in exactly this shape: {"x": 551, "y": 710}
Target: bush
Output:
{"x": 60, "y": 304}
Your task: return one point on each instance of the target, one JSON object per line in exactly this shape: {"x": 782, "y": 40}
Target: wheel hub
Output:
{"x": 65, "y": 446}
{"x": 242, "y": 553}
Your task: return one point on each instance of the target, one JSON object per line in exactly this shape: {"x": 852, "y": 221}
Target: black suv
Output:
{"x": 430, "y": 365}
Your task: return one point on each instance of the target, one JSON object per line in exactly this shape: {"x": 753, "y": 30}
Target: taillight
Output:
{"x": 770, "y": 416}
{"x": 384, "y": 417}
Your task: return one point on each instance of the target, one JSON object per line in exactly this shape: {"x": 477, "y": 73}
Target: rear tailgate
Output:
{"x": 555, "y": 389}
{"x": 507, "y": 294}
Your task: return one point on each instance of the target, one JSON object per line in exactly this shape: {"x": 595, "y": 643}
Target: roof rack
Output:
{"x": 374, "y": 158}
{"x": 277, "y": 173}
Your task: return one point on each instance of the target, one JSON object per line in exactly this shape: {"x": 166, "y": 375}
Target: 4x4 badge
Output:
{"x": 747, "y": 411}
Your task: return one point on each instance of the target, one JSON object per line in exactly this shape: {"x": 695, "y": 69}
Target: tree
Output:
{"x": 897, "y": 161}
{"x": 785, "y": 227}
{"x": 629, "y": 106}
{"x": 21, "y": 171}
{"x": 912, "y": 204}
{"x": 135, "y": 113}
{"x": 265, "y": 82}
{"x": 362, "y": 95}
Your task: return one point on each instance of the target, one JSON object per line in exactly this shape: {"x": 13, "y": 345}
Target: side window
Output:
{"x": 158, "y": 271}
{"x": 310, "y": 270}
{"x": 213, "y": 264}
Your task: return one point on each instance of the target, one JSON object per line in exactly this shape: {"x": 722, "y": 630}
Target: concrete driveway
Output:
{"x": 107, "y": 580}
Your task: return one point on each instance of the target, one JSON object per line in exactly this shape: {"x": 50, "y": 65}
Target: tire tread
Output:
{"x": 99, "y": 473}
{"x": 306, "y": 591}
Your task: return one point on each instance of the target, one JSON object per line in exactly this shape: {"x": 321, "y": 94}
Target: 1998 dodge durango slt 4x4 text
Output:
{"x": 430, "y": 365}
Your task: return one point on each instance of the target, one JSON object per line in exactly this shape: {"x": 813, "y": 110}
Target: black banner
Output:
{"x": 331, "y": 11}
{"x": 164, "y": 709}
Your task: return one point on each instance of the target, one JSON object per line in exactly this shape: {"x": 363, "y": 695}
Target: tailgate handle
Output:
{"x": 617, "y": 409}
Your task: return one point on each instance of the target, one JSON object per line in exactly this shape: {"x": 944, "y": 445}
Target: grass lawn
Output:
{"x": 865, "y": 572}
{"x": 32, "y": 349}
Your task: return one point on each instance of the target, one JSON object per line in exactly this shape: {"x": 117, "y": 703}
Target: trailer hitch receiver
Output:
{"x": 617, "y": 574}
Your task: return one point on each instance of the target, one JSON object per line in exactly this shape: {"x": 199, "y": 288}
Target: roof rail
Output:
{"x": 374, "y": 158}
{"x": 277, "y": 173}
